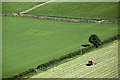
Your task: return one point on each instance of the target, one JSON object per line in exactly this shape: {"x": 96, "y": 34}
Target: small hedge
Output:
{"x": 51, "y": 62}
{"x": 20, "y": 75}
{"x": 111, "y": 39}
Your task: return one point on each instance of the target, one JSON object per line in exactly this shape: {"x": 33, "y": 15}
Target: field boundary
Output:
{"x": 65, "y": 19}
{"x": 44, "y": 66}
{"x": 112, "y": 58}
{"x": 36, "y": 6}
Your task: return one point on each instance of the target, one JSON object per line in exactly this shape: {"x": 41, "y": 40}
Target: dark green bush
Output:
{"x": 25, "y": 73}
{"x": 95, "y": 40}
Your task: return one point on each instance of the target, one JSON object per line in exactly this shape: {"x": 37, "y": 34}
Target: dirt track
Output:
{"x": 36, "y": 6}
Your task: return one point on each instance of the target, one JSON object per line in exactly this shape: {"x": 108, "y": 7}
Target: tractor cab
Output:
{"x": 90, "y": 63}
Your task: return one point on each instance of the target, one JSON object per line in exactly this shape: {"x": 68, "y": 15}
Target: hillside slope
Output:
{"x": 106, "y": 67}
{"x": 43, "y": 40}
{"x": 16, "y": 7}
{"x": 88, "y": 10}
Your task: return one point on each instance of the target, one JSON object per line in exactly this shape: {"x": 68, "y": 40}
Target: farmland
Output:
{"x": 28, "y": 42}
{"x": 16, "y": 7}
{"x": 106, "y": 67}
{"x": 87, "y": 10}
{"x": 42, "y": 40}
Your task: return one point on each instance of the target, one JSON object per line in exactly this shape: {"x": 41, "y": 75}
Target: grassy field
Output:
{"x": 88, "y": 10}
{"x": 16, "y": 7}
{"x": 28, "y": 42}
{"x": 106, "y": 67}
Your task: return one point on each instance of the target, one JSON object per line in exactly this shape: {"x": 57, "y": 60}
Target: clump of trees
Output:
{"x": 95, "y": 40}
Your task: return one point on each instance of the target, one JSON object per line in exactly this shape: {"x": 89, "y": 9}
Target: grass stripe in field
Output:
{"x": 94, "y": 69}
{"x": 98, "y": 67}
{"x": 106, "y": 66}
{"x": 99, "y": 73}
{"x": 114, "y": 74}
{"x": 78, "y": 69}
{"x": 95, "y": 65}
{"x": 74, "y": 67}
{"x": 108, "y": 72}
{"x": 67, "y": 68}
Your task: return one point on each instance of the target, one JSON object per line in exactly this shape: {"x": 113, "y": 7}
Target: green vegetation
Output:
{"x": 28, "y": 42}
{"x": 54, "y": 62}
{"x": 16, "y": 7}
{"x": 95, "y": 40}
{"x": 106, "y": 67}
{"x": 87, "y": 10}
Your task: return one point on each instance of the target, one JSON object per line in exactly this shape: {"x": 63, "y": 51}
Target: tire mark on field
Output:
{"x": 36, "y": 6}
{"x": 63, "y": 19}
{"x": 108, "y": 72}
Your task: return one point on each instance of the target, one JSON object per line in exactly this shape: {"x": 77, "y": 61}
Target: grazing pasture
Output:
{"x": 16, "y": 7}
{"x": 106, "y": 67}
{"x": 28, "y": 42}
{"x": 86, "y": 10}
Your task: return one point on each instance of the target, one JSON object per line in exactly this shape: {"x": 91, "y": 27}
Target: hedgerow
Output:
{"x": 21, "y": 75}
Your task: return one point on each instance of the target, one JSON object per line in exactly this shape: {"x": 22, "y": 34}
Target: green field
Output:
{"x": 28, "y": 42}
{"x": 16, "y": 7}
{"x": 87, "y": 10}
{"x": 106, "y": 67}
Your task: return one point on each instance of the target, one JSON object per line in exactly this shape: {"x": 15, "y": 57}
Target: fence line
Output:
{"x": 64, "y": 19}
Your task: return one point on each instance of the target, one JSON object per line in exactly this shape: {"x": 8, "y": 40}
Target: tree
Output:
{"x": 95, "y": 40}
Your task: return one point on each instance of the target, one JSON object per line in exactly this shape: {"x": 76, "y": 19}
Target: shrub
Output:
{"x": 95, "y": 40}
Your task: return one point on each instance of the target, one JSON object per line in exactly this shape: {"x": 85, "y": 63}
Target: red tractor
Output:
{"x": 90, "y": 63}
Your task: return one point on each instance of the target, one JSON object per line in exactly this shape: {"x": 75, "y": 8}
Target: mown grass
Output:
{"x": 87, "y": 10}
{"x": 28, "y": 42}
{"x": 106, "y": 67}
{"x": 71, "y": 59}
{"x": 16, "y": 7}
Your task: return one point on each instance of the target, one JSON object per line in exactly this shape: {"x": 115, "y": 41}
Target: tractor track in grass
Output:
{"x": 63, "y": 19}
{"x": 106, "y": 67}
